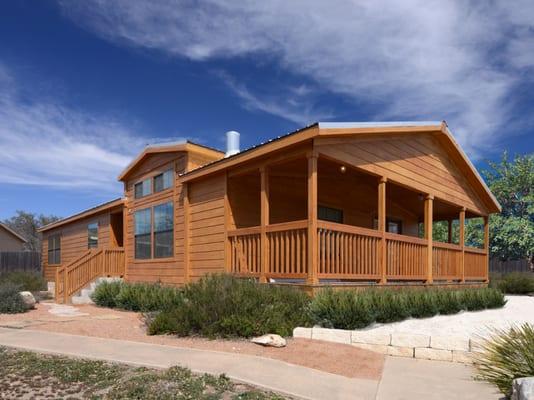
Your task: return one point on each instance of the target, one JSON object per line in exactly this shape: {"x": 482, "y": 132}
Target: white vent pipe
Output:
{"x": 232, "y": 143}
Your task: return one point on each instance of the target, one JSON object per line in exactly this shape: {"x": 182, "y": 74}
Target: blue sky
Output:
{"x": 85, "y": 85}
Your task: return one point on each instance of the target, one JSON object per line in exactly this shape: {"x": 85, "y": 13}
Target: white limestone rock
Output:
{"x": 523, "y": 389}
{"x": 270, "y": 340}
{"x": 28, "y": 298}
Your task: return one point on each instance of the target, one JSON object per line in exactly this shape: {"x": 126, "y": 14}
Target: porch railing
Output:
{"x": 349, "y": 253}
{"x": 90, "y": 265}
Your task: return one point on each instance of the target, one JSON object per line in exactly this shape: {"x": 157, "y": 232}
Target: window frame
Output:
{"x": 89, "y": 227}
{"x": 165, "y": 174}
{"x": 152, "y": 232}
{"x": 170, "y": 230}
{"x": 328, "y": 208}
{"x": 145, "y": 183}
{"x": 144, "y": 234}
{"x": 55, "y": 249}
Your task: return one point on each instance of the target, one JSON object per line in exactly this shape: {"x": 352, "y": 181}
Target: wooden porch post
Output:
{"x": 187, "y": 263}
{"x": 449, "y": 230}
{"x": 264, "y": 206}
{"x": 462, "y": 244}
{"x": 313, "y": 251}
{"x": 382, "y": 228}
{"x": 486, "y": 245}
{"x": 227, "y": 245}
{"x": 428, "y": 235}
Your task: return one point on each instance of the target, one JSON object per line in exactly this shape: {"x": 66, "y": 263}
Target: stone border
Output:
{"x": 442, "y": 348}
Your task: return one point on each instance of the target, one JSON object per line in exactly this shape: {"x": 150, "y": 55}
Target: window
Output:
{"x": 143, "y": 226}
{"x": 392, "y": 225}
{"x": 54, "y": 249}
{"x": 163, "y": 230}
{"x": 330, "y": 214}
{"x": 92, "y": 235}
{"x": 163, "y": 181}
{"x": 142, "y": 189}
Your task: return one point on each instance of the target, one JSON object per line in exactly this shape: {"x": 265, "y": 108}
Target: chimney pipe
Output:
{"x": 232, "y": 143}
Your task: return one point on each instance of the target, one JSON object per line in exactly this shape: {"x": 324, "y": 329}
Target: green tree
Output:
{"x": 26, "y": 224}
{"x": 512, "y": 231}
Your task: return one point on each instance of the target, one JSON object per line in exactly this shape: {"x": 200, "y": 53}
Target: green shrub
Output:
{"x": 493, "y": 298}
{"x": 136, "y": 296}
{"x": 224, "y": 306}
{"x": 343, "y": 309}
{"x": 448, "y": 302}
{"x": 473, "y": 300}
{"x": 26, "y": 281}
{"x": 421, "y": 303}
{"x": 516, "y": 283}
{"x": 507, "y": 355}
{"x": 11, "y": 301}
{"x": 389, "y": 305}
{"x": 105, "y": 294}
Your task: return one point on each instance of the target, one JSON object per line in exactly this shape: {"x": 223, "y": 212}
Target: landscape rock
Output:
{"x": 270, "y": 340}
{"x": 523, "y": 389}
{"x": 28, "y": 298}
{"x": 305, "y": 333}
{"x": 433, "y": 354}
{"x": 331, "y": 335}
{"x": 410, "y": 340}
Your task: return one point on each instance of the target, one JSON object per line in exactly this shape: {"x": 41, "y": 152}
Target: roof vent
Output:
{"x": 232, "y": 143}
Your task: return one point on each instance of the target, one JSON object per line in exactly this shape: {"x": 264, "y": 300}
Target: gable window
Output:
{"x": 163, "y": 181}
{"x": 143, "y": 227}
{"x": 163, "y": 230}
{"x": 330, "y": 214}
{"x": 54, "y": 249}
{"x": 92, "y": 235}
{"x": 142, "y": 189}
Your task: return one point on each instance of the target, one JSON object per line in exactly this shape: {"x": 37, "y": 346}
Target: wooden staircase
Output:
{"x": 92, "y": 264}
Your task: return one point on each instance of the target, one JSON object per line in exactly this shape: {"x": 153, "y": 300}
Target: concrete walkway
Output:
{"x": 402, "y": 378}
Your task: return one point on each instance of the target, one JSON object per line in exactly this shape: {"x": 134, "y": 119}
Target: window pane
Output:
{"x": 142, "y": 189}
{"x": 92, "y": 235}
{"x": 330, "y": 214}
{"x": 147, "y": 189}
{"x": 158, "y": 183}
{"x": 163, "y": 244}
{"x": 167, "y": 178}
{"x": 163, "y": 217}
{"x": 138, "y": 188}
{"x": 142, "y": 221}
{"x": 54, "y": 249}
{"x": 142, "y": 246}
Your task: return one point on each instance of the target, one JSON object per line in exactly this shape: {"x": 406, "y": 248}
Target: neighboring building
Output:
{"x": 328, "y": 204}
{"x": 10, "y": 240}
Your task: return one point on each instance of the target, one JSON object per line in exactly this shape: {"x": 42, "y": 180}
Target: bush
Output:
{"x": 143, "y": 297}
{"x": 11, "y": 301}
{"x": 224, "y": 306}
{"x": 343, "y": 309}
{"x": 26, "y": 281}
{"x": 354, "y": 310}
{"x": 516, "y": 283}
{"x": 507, "y": 355}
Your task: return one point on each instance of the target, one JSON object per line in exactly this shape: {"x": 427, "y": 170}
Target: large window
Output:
{"x": 143, "y": 227}
{"x": 330, "y": 214}
{"x": 92, "y": 235}
{"x": 54, "y": 249}
{"x": 156, "y": 223}
{"x": 163, "y": 230}
{"x": 143, "y": 188}
{"x": 163, "y": 181}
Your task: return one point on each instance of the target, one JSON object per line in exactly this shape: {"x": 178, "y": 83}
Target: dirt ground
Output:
{"x": 335, "y": 358}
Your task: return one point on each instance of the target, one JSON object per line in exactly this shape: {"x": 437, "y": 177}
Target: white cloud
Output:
{"x": 421, "y": 59}
{"x": 48, "y": 144}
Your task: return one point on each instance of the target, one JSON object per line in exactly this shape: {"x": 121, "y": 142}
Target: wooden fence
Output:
{"x": 497, "y": 266}
{"x": 20, "y": 261}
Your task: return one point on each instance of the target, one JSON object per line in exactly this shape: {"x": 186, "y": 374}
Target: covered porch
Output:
{"x": 313, "y": 220}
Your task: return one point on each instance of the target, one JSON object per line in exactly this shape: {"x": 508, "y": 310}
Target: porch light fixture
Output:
{"x": 421, "y": 196}
{"x": 342, "y": 169}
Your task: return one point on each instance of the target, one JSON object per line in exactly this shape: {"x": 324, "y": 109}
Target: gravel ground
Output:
{"x": 518, "y": 309}
{"x": 107, "y": 323}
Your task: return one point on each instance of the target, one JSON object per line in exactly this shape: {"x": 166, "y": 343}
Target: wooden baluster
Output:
{"x": 382, "y": 228}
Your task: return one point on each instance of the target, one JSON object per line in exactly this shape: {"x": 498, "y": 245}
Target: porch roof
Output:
{"x": 333, "y": 129}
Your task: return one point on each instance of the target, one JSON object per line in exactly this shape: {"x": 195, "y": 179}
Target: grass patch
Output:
{"x": 144, "y": 297}
{"x": 11, "y": 301}
{"x": 223, "y": 306}
{"x": 33, "y": 375}
{"x": 507, "y": 355}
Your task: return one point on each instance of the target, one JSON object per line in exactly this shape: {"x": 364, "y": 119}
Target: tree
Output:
{"x": 26, "y": 224}
{"x": 512, "y": 183}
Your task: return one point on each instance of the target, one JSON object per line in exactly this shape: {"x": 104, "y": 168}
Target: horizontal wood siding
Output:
{"x": 168, "y": 270}
{"x": 206, "y": 229}
{"x": 418, "y": 162}
{"x": 74, "y": 241}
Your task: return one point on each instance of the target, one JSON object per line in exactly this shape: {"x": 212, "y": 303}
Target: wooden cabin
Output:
{"x": 331, "y": 204}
